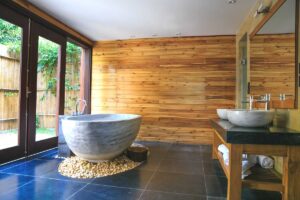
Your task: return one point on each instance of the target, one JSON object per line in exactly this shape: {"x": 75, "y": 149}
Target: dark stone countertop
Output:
{"x": 265, "y": 135}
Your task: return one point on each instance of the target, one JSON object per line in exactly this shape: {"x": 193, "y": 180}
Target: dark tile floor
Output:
{"x": 172, "y": 172}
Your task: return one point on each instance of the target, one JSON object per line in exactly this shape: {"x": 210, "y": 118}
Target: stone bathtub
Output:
{"x": 100, "y": 137}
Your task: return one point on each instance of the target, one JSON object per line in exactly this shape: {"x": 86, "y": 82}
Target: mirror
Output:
{"x": 273, "y": 57}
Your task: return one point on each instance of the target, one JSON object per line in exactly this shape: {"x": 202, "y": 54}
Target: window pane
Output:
{"x": 10, "y": 48}
{"x": 72, "y": 82}
{"x": 48, "y": 53}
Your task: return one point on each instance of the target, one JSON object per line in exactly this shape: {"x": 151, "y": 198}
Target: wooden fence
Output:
{"x": 46, "y": 102}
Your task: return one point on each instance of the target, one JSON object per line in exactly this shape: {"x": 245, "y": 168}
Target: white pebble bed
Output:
{"x": 75, "y": 167}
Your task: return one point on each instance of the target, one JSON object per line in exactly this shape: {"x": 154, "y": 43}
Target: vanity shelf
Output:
{"x": 260, "y": 179}
{"x": 263, "y": 179}
{"x": 258, "y": 141}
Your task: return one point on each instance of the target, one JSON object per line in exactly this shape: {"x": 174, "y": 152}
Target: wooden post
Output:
{"x": 215, "y": 146}
{"x": 291, "y": 174}
{"x": 234, "y": 187}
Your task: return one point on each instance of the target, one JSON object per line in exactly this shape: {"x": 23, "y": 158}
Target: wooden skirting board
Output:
{"x": 176, "y": 84}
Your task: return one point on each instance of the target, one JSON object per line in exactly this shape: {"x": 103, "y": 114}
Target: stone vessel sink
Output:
{"x": 222, "y": 113}
{"x": 250, "y": 118}
{"x": 100, "y": 137}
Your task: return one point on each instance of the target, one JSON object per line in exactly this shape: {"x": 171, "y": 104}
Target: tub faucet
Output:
{"x": 77, "y": 105}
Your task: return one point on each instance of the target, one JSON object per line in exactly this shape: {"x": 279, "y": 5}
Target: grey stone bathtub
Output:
{"x": 102, "y": 136}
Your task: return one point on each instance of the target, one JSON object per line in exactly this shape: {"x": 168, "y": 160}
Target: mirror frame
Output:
{"x": 264, "y": 20}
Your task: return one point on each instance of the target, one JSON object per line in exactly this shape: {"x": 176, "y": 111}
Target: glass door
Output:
{"x": 13, "y": 62}
{"x": 45, "y": 87}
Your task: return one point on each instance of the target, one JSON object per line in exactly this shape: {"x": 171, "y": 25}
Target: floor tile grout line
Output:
{"x": 103, "y": 185}
{"x": 204, "y": 180}
{"x": 77, "y": 191}
{"x": 50, "y": 178}
{"x": 176, "y": 193}
{"x": 155, "y": 171}
{"x": 25, "y": 161}
{"x": 1, "y": 171}
{"x": 120, "y": 187}
{"x": 17, "y": 188}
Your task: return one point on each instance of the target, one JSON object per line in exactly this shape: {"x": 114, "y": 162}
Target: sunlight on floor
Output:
{"x": 9, "y": 138}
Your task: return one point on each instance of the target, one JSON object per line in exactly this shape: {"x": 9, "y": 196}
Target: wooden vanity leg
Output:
{"x": 215, "y": 146}
{"x": 291, "y": 174}
{"x": 234, "y": 187}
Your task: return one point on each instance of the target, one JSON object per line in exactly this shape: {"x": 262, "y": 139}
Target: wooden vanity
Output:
{"x": 259, "y": 141}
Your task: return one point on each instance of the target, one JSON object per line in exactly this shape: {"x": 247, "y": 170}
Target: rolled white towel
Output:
{"x": 226, "y": 158}
{"x": 248, "y": 161}
{"x": 225, "y": 153}
{"x": 223, "y": 149}
{"x": 265, "y": 162}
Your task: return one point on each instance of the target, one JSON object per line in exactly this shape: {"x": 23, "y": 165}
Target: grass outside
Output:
{"x": 47, "y": 131}
{"x": 9, "y": 138}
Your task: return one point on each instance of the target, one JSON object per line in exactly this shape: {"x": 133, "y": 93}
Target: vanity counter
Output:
{"x": 265, "y": 135}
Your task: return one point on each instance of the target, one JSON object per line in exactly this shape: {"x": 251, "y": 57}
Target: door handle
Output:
{"x": 28, "y": 92}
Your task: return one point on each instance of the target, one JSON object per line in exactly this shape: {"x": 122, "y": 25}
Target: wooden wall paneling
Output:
{"x": 249, "y": 28}
{"x": 174, "y": 83}
{"x": 272, "y": 65}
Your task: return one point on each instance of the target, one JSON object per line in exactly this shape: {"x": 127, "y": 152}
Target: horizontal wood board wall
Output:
{"x": 272, "y": 65}
{"x": 176, "y": 84}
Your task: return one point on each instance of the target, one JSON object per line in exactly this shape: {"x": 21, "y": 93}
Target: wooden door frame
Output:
{"x": 86, "y": 74}
{"x": 16, "y": 15}
{"x": 13, "y": 17}
{"x": 37, "y": 30}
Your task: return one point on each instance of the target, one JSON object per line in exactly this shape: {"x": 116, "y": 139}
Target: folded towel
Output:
{"x": 247, "y": 173}
{"x": 265, "y": 162}
{"x": 246, "y": 165}
{"x": 248, "y": 161}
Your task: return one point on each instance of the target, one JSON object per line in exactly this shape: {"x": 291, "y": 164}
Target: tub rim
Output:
{"x": 71, "y": 118}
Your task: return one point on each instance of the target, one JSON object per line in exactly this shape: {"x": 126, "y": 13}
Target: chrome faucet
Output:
{"x": 283, "y": 97}
{"x": 251, "y": 100}
{"x": 77, "y": 105}
{"x": 265, "y": 99}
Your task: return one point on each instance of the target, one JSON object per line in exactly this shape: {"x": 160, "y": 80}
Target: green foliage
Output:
{"x": 47, "y": 64}
{"x": 11, "y": 36}
{"x": 37, "y": 121}
{"x": 73, "y": 53}
{"x": 70, "y": 87}
{"x": 10, "y": 94}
